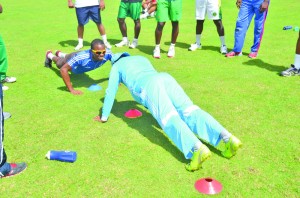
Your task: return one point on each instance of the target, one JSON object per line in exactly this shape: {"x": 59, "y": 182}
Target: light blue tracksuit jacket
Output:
{"x": 179, "y": 118}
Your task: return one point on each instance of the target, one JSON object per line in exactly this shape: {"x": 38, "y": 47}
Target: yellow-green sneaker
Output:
{"x": 198, "y": 158}
{"x": 231, "y": 147}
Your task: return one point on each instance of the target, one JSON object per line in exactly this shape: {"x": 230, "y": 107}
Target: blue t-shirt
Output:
{"x": 83, "y": 61}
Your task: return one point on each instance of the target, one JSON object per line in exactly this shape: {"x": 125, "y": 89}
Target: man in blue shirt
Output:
{"x": 180, "y": 119}
{"x": 79, "y": 62}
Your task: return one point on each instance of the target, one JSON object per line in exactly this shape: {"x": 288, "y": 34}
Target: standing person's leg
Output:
{"x": 175, "y": 13}
{"x": 122, "y": 14}
{"x": 221, "y": 33}
{"x": 294, "y": 70}
{"x": 82, "y": 18}
{"x": 243, "y": 21}
{"x": 199, "y": 29}
{"x": 2, "y": 151}
{"x": 6, "y": 169}
{"x": 259, "y": 26}
{"x": 200, "y": 13}
{"x": 95, "y": 15}
{"x": 161, "y": 17}
{"x": 3, "y": 60}
{"x": 135, "y": 10}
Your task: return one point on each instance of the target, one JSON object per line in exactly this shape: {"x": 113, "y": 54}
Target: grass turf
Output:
{"x": 133, "y": 158}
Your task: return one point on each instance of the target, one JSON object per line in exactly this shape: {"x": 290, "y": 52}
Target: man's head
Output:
{"x": 98, "y": 49}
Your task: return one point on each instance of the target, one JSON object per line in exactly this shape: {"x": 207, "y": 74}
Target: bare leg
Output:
{"x": 123, "y": 27}
{"x": 175, "y": 31}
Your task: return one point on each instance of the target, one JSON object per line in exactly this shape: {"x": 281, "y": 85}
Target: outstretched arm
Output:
{"x": 1, "y": 9}
{"x": 64, "y": 71}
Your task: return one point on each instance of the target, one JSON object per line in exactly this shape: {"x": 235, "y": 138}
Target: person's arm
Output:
{"x": 64, "y": 71}
{"x": 264, "y": 6}
{"x": 102, "y": 5}
{"x": 238, "y": 3}
{"x": 70, "y": 4}
{"x": 1, "y": 9}
{"x": 111, "y": 91}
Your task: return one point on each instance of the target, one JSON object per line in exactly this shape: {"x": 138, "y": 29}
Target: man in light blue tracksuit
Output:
{"x": 180, "y": 119}
{"x": 249, "y": 8}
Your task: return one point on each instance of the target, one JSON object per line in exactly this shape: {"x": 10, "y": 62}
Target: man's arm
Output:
{"x": 70, "y": 4}
{"x": 264, "y": 6}
{"x": 238, "y": 3}
{"x": 1, "y": 9}
{"x": 102, "y": 5}
{"x": 111, "y": 91}
{"x": 64, "y": 71}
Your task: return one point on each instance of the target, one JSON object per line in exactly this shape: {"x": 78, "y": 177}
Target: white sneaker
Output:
{"x": 156, "y": 52}
{"x": 223, "y": 49}
{"x": 144, "y": 16}
{"x": 9, "y": 79}
{"x": 122, "y": 43}
{"x": 134, "y": 44}
{"x": 78, "y": 47}
{"x": 107, "y": 45}
{"x": 171, "y": 52}
{"x": 194, "y": 47}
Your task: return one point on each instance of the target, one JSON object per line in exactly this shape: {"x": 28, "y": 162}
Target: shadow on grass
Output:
{"x": 147, "y": 126}
{"x": 73, "y": 43}
{"x": 79, "y": 80}
{"x": 264, "y": 65}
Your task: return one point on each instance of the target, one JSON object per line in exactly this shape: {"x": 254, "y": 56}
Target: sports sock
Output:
{"x": 297, "y": 61}
{"x": 225, "y": 135}
{"x": 125, "y": 39}
{"x": 197, "y": 146}
{"x": 222, "y": 39}
{"x": 104, "y": 38}
{"x": 198, "y": 39}
{"x": 172, "y": 44}
{"x": 50, "y": 55}
{"x": 61, "y": 54}
{"x": 80, "y": 41}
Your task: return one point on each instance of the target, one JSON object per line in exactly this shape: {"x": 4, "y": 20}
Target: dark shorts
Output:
{"x": 85, "y": 13}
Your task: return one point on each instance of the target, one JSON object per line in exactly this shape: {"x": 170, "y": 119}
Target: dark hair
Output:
{"x": 96, "y": 42}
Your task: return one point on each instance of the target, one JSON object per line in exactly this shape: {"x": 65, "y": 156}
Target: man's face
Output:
{"x": 98, "y": 52}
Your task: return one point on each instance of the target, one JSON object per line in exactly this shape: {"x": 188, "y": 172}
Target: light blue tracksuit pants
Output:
{"x": 180, "y": 119}
{"x": 248, "y": 9}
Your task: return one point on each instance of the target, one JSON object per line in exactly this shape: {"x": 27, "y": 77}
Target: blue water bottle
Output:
{"x": 64, "y": 156}
{"x": 287, "y": 27}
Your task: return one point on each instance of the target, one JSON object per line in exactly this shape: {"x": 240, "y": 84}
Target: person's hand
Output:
{"x": 98, "y": 119}
{"x": 70, "y": 4}
{"x": 102, "y": 5}
{"x": 238, "y": 3}
{"x": 264, "y": 6}
{"x": 76, "y": 92}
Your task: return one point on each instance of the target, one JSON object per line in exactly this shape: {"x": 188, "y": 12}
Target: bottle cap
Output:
{"x": 48, "y": 155}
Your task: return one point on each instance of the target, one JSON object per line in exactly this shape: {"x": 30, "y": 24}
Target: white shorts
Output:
{"x": 211, "y": 8}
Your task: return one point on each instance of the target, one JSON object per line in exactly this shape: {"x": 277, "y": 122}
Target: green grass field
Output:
{"x": 132, "y": 157}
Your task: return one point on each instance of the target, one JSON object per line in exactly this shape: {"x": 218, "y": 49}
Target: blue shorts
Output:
{"x": 85, "y": 13}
